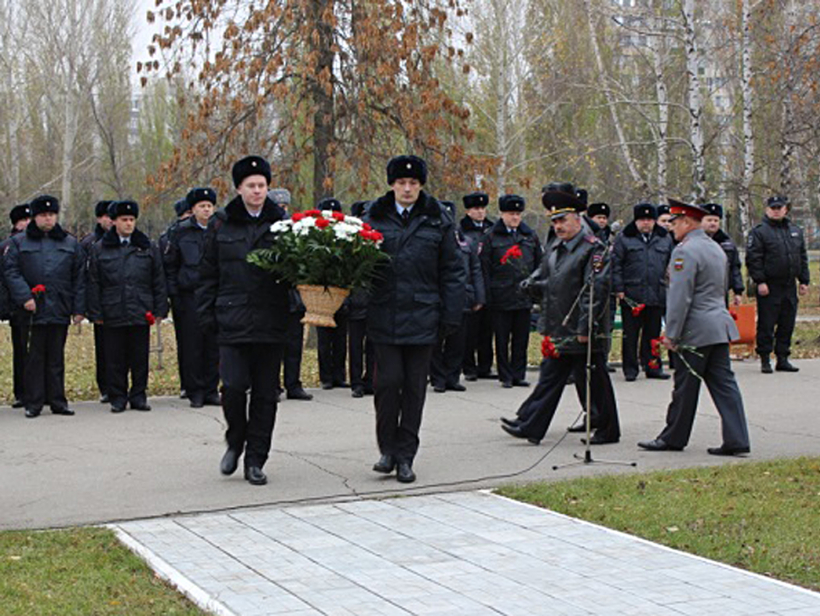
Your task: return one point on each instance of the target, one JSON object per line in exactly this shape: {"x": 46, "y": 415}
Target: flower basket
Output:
{"x": 321, "y": 303}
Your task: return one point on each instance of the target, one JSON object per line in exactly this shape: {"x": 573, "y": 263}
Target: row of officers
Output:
{"x": 121, "y": 281}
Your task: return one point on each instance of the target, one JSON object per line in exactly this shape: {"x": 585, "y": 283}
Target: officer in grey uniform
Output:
{"x": 699, "y": 328}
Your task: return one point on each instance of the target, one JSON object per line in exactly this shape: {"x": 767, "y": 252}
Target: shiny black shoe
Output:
{"x": 116, "y": 408}
{"x": 255, "y": 476}
{"x": 766, "y": 365}
{"x": 229, "y": 462}
{"x": 404, "y": 473}
{"x": 386, "y": 464}
{"x": 784, "y": 365}
{"x": 513, "y": 423}
{"x": 63, "y": 411}
{"x": 610, "y": 369}
{"x": 104, "y": 399}
{"x": 658, "y": 444}
{"x": 487, "y": 375}
{"x": 506, "y": 384}
{"x": 521, "y": 383}
{"x": 470, "y": 377}
{"x": 723, "y": 450}
{"x": 197, "y": 401}
{"x": 299, "y": 394}
{"x": 18, "y": 404}
{"x": 144, "y": 407}
{"x": 357, "y": 392}
{"x": 327, "y": 386}
{"x": 581, "y": 426}
{"x": 658, "y": 374}
{"x": 439, "y": 389}
{"x": 456, "y": 387}
{"x": 517, "y": 433}
{"x": 342, "y": 384}
{"x": 212, "y": 400}
{"x": 597, "y": 439}
{"x": 32, "y": 413}
{"x": 183, "y": 395}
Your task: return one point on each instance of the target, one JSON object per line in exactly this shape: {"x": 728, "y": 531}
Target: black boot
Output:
{"x": 765, "y": 364}
{"x": 783, "y": 365}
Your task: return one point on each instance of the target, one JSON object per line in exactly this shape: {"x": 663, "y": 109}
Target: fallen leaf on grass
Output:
{"x": 672, "y": 529}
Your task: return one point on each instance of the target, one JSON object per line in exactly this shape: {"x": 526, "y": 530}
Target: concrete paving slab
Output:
{"x": 394, "y": 556}
{"x": 99, "y": 467}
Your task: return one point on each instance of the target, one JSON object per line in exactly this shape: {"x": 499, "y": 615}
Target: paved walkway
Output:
{"x": 470, "y": 554}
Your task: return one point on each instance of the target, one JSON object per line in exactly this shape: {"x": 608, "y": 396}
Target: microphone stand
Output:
{"x": 586, "y": 458}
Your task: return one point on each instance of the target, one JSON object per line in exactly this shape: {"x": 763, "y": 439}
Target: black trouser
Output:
{"x": 99, "y": 359}
{"x": 246, "y": 367}
{"x": 640, "y": 331}
{"x": 512, "y": 336}
{"x": 19, "y": 340}
{"x": 45, "y": 368}
{"x": 292, "y": 353}
{"x": 776, "y": 314}
{"x": 401, "y": 386}
{"x": 712, "y": 364}
{"x": 478, "y": 348}
{"x": 179, "y": 315}
{"x": 537, "y": 411}
{"x": 362, "y": 355}
{"x": 200, "y": 356}
{"x": 126, "y": 350}
{"x": 332, "y": 350}
{"x": 448, "y": 355}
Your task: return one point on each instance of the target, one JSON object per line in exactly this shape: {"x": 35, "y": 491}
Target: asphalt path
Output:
{"x": 99, "y": 467}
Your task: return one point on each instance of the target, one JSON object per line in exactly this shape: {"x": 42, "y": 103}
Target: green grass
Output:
{"x": 80, "y": 572}
{"x": 764, "y": 517}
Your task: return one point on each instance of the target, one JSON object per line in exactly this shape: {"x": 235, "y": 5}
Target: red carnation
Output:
{"x": 637, "y": 310}
{"x": 314, "y": 213}
{"x": 321, "y": 223}
{"x": 150, "y": 318}
{"x": 366, "y": 227}
{"x": 656, "y": 346}
{"x": 654, "y": 364}
{"x": 37, "y": 289}
{"x": 513, "y": 252}
{"x": 338, "y": 216}
{"x": 548, "y": 348}
{"x": 297, "y": 216}
{"x": 376, "y": 236}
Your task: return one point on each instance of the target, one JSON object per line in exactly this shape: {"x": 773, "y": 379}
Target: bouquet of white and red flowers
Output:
{"x": 323, "y": 254}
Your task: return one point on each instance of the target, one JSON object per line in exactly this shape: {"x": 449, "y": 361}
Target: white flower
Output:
{"x": 281, "y": 226}
{"x": 327, "y": 213}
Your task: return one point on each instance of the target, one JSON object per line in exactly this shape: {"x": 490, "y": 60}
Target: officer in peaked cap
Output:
{"x": 699, "y": 329}
{"x": 478, "y": 351}
{"x": 778, "y": 265}
{"x": 126, "y": 293}
{"x": 510, "y": 308}
{"x": 20, "y": 216}
{"x": 45, "y": 255}
{"x": 640, "y": 258}
{"x": 711, "y": 225}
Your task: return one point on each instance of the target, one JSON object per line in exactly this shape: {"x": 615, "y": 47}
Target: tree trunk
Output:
{"x": 745, "y": 202}
{"x": 694, "y": 101}
{"x": 658, "y": 48}
{"x": 324, "y": 136}
{"x": 502, "y": 93}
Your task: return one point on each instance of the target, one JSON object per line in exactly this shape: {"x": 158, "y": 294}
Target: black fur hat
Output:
{"x": 334, "y": 205}
{"x": 406, "y": 166}
{"x": 476, "y": 199}
{"x": 248, "y": 166}
{"x": 195, "y": 195}
{"x": 101, "y": 209}
{"x": 713, "y": 209}
{"x": 123, "y": 208}
{"x": 44, "y": 204}
{"x": 511, "y": 203}
{"x": 599, "y": 208}
{"x": 20, "y": 212}
{"x": 644, "y": 210}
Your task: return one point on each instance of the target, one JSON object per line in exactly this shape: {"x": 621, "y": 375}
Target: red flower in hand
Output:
{"x": 150, "y": 318}
{"x": 37, "y": 289}
{"x": 734, "y": 314}
{"x": 314, "y": 213}
{"x": 338, "y": 216}
{"x": 654, "y": 364}
{"x": 322, "y": 223}
{"x": 637, "y": 310}
{"x": 297, "y": 216}
{"x": 656, "y": 347}
{"x": 548, "y": 348}
{"x": 514, "y": 252}
{"x": 366, "y": 227}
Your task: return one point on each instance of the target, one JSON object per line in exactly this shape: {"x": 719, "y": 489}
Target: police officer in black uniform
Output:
{"x": 127, "y": 293}
{"x": 104, "y": 223}
{"x": 776, "y": 257}
{"x": 331, "y": 342}
{"x": 419, "y": 292}
{"x": 478, "y": 351}
{"x": 640, "y": 257}
{"x": 711, "y": 225}
{"x": 510, "y": 307}
{"x": 46, "y": 255}
{"x": 247, "y": 309}
{"x": 20, "y": 216}
{"x": 199, "y": 355}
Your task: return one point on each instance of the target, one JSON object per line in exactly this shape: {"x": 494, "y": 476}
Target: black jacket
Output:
{"x": 182, "y": 256}
{"x": 776, "y": 253}
{"x": 502, "y": 281}
{"x": 475, "y": 233}
{"x": 733, "y": 261}
{"x": 89, "y": 240}
{"x": 125, "y": 282}
{"x": 559, "y": 283}
{"x": 422, "y": 286}
{"x": 639, "y": 267}
{"x": 475, "y": 293}
{"x": 54, "y": 259}
{"x": 241, "y": 302}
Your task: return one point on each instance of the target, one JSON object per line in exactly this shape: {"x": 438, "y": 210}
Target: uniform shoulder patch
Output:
{"x": 678, "y": 264}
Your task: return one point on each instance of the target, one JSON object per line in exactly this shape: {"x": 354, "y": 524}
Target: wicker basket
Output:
{"x": 321, "y": 303}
